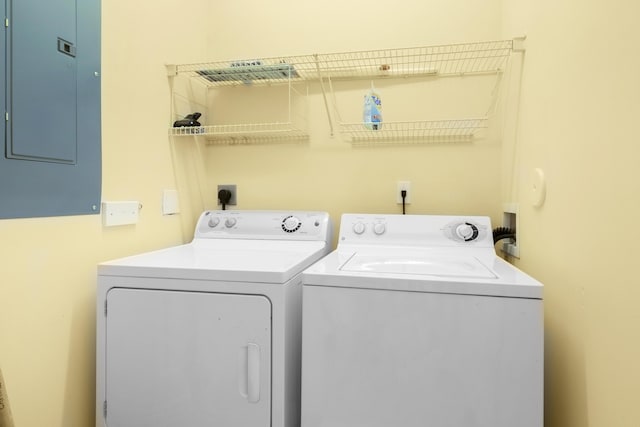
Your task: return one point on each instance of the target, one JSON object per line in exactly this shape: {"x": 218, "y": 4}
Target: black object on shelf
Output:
{"x": 189, "y": 120}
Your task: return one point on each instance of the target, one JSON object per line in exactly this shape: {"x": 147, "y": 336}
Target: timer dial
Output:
{"x": 291, "y": 224}
{"x": 466, "y": 231}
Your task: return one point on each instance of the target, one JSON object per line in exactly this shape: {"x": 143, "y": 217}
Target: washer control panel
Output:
{"x": 297, "y": 225}
{"x": 416, "y": 230}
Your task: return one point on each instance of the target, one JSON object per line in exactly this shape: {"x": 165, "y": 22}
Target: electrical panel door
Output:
{"x": 51, "y": 160}
{"x": 43, "y": 90}
{"x": 191, "y": 359}
{"x": 3, "y": 71}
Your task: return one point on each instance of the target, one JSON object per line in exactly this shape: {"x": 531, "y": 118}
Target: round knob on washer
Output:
{"x": 214, "y": 221}
{"x": 358, "y": 228}
{"x": 230, "y": 222}
{"x": 467, "y": 231}
{"x": 379, "y": 228}
{"x": 464, "y": 231}
{"x": 291, "y": 224}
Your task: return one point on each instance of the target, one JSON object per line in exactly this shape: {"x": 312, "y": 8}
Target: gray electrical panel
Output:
{"x": 52, "y": 130}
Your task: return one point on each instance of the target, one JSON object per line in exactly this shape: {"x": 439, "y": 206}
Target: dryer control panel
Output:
{"x": 416, "y": 230}
{"x": 264, "y": 225}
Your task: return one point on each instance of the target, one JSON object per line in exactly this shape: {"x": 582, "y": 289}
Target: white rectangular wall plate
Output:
{"x": 170, "y": 205}
{"x": 120, "y": 213}
{"x": 511, "y": 219}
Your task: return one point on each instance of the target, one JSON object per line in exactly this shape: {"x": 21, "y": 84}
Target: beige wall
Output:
{"x": 579, "y": 105}
{"x": 580, "y": 108}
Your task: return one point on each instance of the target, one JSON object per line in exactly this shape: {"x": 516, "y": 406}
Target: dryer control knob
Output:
{"x": 467, "y": 231}
{"x": 230, "y": 222}
{"x": 379, "y": 228}
{"x": 214, "y": 221}
{"x": 291, "y": 224}
{"x": 358, "y": 228}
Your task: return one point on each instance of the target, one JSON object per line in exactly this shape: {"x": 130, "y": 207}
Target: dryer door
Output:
{"x": 187, "y": 359}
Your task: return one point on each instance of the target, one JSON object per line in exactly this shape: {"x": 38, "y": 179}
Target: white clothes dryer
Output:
{"x": 208, "y": 333}
{"x": 414, "y": 321}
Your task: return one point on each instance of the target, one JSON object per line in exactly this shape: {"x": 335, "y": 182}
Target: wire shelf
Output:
{"x": 452, "y": 59}
{"x": 443, "y": 60}
{"x": 258, "y": 71}
{"x": 457, "y": 59}
{"x": 241, "y": 131}
{"x": 259, "y": 140}
{"x": 430, "y": 131}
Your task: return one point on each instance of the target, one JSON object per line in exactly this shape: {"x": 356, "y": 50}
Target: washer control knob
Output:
{"x": 214, "y": 221}
{"x": 467, "y": 231}
{"x": 230, "y": 222}
{"x": 358, "y": 228}
{"x": 379, "y": 228}
{"x": 291, "y": 224}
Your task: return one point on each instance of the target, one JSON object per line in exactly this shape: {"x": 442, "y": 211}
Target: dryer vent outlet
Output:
{"x": 234, "y": 195}
{"x": 510, "y": 220}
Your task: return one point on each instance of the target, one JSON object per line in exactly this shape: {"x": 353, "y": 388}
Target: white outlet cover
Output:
{"x": 538, "y": 188}
{"x": 170, "y": 205}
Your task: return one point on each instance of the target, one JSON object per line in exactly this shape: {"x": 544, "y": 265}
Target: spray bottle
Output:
{"x": 372, "y": 114}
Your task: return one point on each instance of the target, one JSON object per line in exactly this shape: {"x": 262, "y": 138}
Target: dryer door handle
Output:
{"x": 253, "y": 372}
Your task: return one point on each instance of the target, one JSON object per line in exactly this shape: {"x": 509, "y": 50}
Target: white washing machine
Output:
{"x": 415, "y": 322}
{"x": 208, "y": 333}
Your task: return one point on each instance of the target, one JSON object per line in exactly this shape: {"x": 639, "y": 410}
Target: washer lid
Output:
{"x": 432, "y": 265}
{"x": 433, "y": 271}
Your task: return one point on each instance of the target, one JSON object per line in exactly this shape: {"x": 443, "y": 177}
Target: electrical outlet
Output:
{"x": 406, "y": 186}
{"x": 234, "y": 194}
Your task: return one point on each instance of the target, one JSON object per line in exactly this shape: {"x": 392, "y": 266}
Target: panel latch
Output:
{"x": 66, "y": 47}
